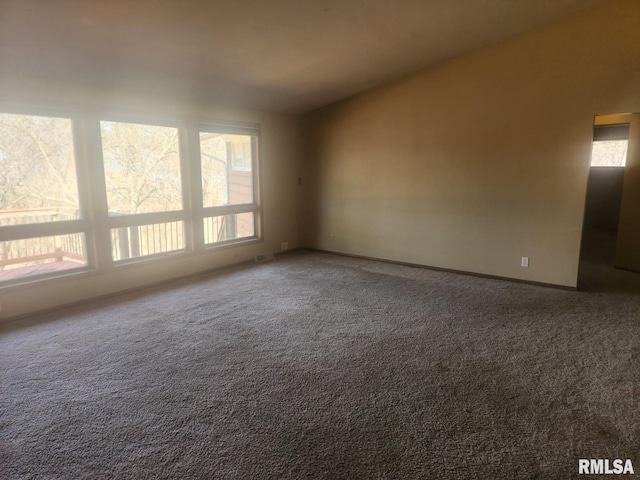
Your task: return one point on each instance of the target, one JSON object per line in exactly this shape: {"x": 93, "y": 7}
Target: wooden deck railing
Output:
{"x": 29, "y": 252}
{"x": 142, "y": 240}
{"x": 126, "y": 242}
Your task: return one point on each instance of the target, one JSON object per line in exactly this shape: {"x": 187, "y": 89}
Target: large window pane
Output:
{"x": 144, "y": 240}
{"x": 38, "y": 180}
{"x": 142, "y": 168}
{"x": 37, "y": 256}
{"x": 228, "y": 227}
{"x": 227, "y": 163}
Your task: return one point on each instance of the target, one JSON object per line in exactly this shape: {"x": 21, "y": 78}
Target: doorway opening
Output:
{"x": 603, "y": 206}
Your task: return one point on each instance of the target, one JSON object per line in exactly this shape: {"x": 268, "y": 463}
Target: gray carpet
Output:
{"x": 323, "y": 367}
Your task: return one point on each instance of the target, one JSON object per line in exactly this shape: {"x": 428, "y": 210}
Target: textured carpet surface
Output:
{"x": 323, "y": 367}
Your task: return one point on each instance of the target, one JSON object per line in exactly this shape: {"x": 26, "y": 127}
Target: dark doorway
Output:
{"x": 602, "y": 208}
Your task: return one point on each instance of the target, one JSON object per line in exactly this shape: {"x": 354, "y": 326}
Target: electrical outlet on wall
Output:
{"x": 524, "y": 262}
{"x": 284, "y": 246}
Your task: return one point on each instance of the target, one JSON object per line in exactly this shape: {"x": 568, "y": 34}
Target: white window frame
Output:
{"x": 81, "y": 225}
{"x": 253, "y": 207}
{"x": 95, "y": 222}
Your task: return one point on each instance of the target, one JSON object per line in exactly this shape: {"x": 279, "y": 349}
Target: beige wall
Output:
{"x": 628, "y": 241}
{"x": 479, "y": 161}
{"x": 281, "y": 195}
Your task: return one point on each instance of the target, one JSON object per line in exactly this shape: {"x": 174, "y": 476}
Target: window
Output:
{"x": 39, "y": 195}
{"x": 610, "y": 146}
{"x": 141, "y": 168}
{"x": 228, "y": 171}
{"x": 93, "y": 194}
{"x": 38, "y": 178}
{"x": 142, "y": 175}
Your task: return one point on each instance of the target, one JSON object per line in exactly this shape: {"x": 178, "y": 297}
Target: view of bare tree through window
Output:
{"x": 142, "y": 175}
{"x": 609, "y": 153}
{"x": 38, "y": 183}
{"x": 142, "y": 168}
{"x": 38, "y": 180}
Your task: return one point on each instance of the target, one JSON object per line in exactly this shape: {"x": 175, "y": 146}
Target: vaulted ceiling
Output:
{"x": 278, "y": 55}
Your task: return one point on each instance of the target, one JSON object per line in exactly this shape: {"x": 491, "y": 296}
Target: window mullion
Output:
{"x": 230, "y": 209}
{"x": 257, "y": 182}
{"x": 99, "y": 212}
{"x": 192, "y": 186}
{"x": 146, "y": 219}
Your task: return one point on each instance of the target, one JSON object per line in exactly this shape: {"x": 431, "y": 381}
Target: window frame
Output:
{"x": 80, "y": 225}
{"x": 255, "y": 206}
{"x": 95, "y": 222}
{"x": 146, "y": 218}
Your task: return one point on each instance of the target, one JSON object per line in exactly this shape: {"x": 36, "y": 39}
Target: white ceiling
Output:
{"x": 278, "y": 55}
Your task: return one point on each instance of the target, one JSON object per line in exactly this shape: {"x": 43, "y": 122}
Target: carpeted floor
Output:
{"x": 316, "y": 366}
